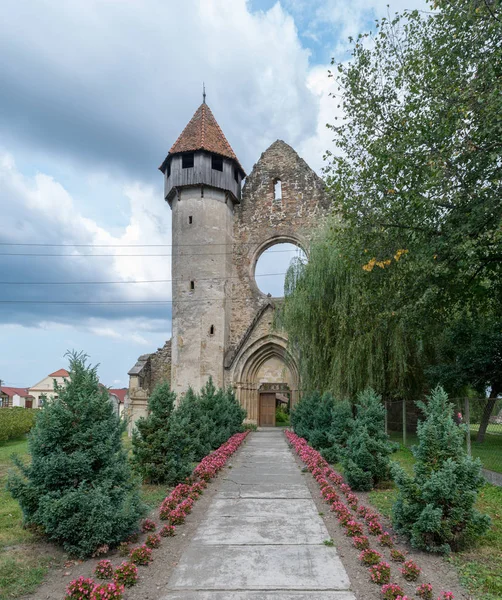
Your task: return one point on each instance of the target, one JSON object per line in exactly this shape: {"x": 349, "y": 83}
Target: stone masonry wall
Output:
{"x": 261, "y": 221}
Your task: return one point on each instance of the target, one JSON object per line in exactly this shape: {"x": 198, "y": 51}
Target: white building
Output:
{"x": 46, "y": 386}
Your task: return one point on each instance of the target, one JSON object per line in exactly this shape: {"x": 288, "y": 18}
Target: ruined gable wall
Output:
{"x": 260, "y": 221}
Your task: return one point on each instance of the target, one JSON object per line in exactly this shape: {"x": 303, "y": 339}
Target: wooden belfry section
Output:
{"x": 222, "y": 323}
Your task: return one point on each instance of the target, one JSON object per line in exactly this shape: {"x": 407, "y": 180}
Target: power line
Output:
{"x": 47, "y": 245}
{"x": 120, "y": 282}
{"x": 129, "y": 255}
{"x": 113, "y": 301}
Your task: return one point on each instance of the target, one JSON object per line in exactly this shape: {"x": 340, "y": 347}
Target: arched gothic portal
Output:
{"x": 266, "y": 374}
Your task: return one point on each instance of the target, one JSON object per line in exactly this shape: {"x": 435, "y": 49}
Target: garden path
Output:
{"x": 262, "y": 538}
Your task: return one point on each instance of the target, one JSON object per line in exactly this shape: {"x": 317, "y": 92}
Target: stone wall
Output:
{"x": 262, "y": 221}
{"x": 149, "y": 370}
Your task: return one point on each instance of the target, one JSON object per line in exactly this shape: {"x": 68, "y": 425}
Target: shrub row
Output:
{"x": 170, "y": 439}
{"x": 435, "y": 508}
{"x": 16, "y": 421}
{"x": 333, "y": 490}
{"x": 354, "y": 436}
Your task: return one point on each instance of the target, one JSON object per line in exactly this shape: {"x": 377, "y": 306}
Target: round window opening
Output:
{"x": 272, "y": 266}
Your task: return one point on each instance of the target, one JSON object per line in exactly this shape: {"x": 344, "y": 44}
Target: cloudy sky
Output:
{"x": 93, "y": 94}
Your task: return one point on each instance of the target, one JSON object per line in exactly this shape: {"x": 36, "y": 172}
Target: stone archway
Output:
{"x": 263, "y": 366}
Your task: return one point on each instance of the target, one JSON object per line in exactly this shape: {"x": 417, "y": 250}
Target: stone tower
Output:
{"x": 202, "y": 184}
{"x": 222, "y": 324}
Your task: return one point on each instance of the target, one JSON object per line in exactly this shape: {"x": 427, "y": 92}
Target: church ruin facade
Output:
{"x": 222, "y": 324}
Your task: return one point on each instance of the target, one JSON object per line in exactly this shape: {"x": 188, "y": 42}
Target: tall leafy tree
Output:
{"x": 416, "y": 187}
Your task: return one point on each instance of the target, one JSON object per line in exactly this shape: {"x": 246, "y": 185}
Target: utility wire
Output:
{"x": 113, "y": 301}
{"x": 46, "y": 245}
{"x": 128, "y": 255}
{"x": 120, "y": 282}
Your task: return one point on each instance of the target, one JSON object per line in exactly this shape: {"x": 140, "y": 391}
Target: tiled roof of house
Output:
{"x": 204, "y": 133}
{"x": 120, "y": 393}
{"x": 11, "y": 391}
{"x": 60, "y": 373}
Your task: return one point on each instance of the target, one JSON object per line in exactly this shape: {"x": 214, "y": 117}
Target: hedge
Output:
{"x": 16, "y": 421}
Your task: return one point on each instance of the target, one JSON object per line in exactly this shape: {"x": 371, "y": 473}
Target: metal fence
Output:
{"x": 402, "y": 418}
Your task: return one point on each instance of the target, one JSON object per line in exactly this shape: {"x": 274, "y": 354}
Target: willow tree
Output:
{"x": 347, "y": 325}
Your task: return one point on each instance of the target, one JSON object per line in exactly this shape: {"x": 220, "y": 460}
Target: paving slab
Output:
{"x": 262, "y": 538}
{"x": 287, "y": 595}
{"x": 230, "y": 567}
{"x": 232, "y": 489}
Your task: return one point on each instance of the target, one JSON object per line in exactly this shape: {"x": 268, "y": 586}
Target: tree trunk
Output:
{"x": 487, "y": 413}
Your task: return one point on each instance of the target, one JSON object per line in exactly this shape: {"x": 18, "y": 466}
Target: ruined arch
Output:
{"x": 261, "y": 248}
{"x": 265, "y": 361}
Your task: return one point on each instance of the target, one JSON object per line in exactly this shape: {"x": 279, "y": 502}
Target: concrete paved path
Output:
{"x": 262, "y": 538}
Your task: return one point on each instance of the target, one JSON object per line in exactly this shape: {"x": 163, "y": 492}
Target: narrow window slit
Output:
{"x": 277, "y": 189}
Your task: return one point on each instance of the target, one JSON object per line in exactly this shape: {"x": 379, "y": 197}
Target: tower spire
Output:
{"x": 203, "y": 92}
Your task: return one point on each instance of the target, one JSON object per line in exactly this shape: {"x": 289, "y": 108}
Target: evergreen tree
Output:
{"x": 322, "y": 422}
{"x": 160, "y": 453}
{"x": 365, "y": 459}
{"x": 342, "y": 423}
{"x": 197, "y": 425}
{"x": 224, "y": 411}
{"x": 304, "y": 413}
{"x": 78, "y": 488}
{"x": 435, "y": 508}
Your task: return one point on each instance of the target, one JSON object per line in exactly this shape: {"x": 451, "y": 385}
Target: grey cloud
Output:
{"x": 115, "y": 82}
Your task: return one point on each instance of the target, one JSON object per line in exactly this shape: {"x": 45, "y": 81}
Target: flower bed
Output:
{"x": 174, "y": 509}
{"x": 331, "y": 484}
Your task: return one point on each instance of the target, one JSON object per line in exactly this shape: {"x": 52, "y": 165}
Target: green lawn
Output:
{"x": 489, "y": 451}
{"x": 481, "y": 567}
{"x": 22, "y": 564}
{"x": 24, "y": 561}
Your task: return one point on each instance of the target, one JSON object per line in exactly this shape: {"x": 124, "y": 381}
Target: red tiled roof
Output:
{"x": 204, "y": 133}
{"x": 120, "y": 393}
{"x": 11, "y": 391}
{"x": 60, "y": 373}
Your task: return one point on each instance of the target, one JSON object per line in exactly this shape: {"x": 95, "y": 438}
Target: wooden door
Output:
{"x": 28, "y": 403}
{"x": 267, "y": 410}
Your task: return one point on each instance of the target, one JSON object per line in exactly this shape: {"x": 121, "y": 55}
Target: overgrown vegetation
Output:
{"x": 78, "y": 488}
{"x": 169, "y": 440}
{"x": 16, "y": 421}
{"x": 435, "y": 507}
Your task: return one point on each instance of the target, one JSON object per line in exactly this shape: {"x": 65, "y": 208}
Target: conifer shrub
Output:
{"x": 365, "y": 458}
{"x": 196, "y": 427}
{"x": 435, "y": 507}
{"x": 78, "y": 488}
{"x": 304, "y": 413}
{"x": 223, "y": 410}
{"x": 159, "y": 456}
{"x": 168, "y": 442}
{"x": 342, "y": 423}
{"x": 324, "y": 422}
